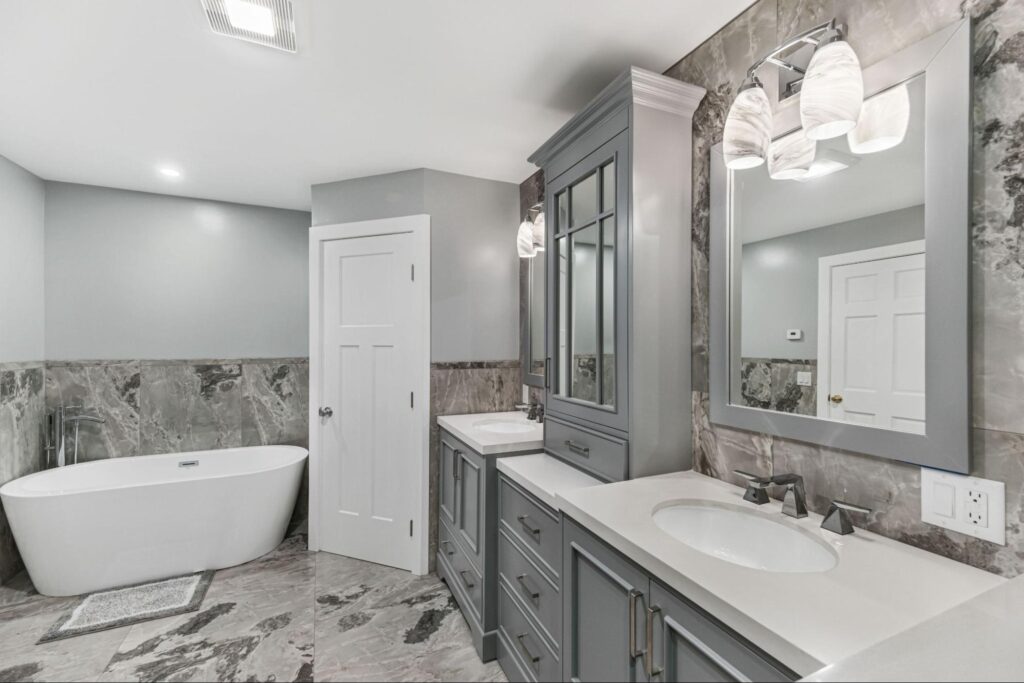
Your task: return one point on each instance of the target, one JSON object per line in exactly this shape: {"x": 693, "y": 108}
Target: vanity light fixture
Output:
{"x": 265, "y": 22}
{"x": 831, "y": 90}
{"x": 791, "y": 156}
{"x": 883, "y": 122}
{"x": 524, "y": 239}
{"x": 538, "y": 230}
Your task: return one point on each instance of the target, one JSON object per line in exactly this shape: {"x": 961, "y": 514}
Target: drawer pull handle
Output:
{"x": 466, "y": 582}
{"x": 534, "y": 595}
{"x": 521, "y": 639}
{"x": 577, "y": 449}
{"x": 447, "y": 546}
{"x": 652, "y": 670}
{"x": 457, "y": 465}
{"x": 634, "y": 595}
{"x": 532, "y": 530}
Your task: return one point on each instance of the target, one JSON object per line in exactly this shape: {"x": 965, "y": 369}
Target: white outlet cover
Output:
{"x": 803, "y": 378}
{"x": 937, "y": 488}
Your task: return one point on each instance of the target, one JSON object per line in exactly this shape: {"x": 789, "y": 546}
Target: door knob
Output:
{"x": 326, "y": 412}
{"x": 835, "y": 398}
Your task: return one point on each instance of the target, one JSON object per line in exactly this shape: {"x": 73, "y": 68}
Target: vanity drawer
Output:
{"x": 463, "y": 579}
{"x": 520, "y": 640}
{"x": 604, "y": 456}
{"x": 531, "y": 585}
{"x": 536, "y": 527}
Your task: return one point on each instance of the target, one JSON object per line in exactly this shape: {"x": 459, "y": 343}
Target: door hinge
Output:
{"x": 412, "y": 272}
{"x": 410, "y": 528}
{"x": 412, "y": 401}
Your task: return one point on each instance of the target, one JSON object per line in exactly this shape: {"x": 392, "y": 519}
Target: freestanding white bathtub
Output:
{"x": 117, "y": 522}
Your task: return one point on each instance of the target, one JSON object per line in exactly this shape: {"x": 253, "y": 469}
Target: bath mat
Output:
{"x": 131, "y": 605}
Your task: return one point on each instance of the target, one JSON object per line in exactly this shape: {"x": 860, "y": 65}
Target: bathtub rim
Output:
{"x": 14, "y": 489}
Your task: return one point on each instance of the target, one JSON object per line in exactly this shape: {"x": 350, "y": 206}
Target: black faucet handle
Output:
{"x": 837, "y": 520}
{"x": 757, "y": 487}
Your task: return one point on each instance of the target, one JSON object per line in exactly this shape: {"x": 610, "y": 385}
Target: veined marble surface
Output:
{"x": 877, "y": 29}
{"x": 291, "y": 615}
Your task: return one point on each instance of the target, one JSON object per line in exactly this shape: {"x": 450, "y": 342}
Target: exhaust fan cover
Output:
{"x": 265, "y": 22}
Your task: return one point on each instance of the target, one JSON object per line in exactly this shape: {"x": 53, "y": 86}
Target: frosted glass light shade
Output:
{"x": 790, "y": 157}
{"x": 832, "y": 92}
{"x": 538, "y": 232}
{"x": 883, "y": 122}
{"x": 748, "y": 129}
{"x": 524, "y": 240}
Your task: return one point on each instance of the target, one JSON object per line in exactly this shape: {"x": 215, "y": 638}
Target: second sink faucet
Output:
{"x": 794, "y": 503}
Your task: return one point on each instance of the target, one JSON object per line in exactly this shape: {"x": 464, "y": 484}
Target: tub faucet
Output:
{"x": 57, "y": 423}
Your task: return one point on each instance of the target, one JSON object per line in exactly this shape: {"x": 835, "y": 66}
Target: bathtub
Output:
{"x": 118, "y": 522}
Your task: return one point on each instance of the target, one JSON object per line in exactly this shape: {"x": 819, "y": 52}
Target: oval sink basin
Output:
{"x": 504, "y": 426}
{"x": 745, "y": 538}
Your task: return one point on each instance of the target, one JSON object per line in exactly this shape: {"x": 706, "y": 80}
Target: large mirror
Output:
{"x": 839, "y": 297}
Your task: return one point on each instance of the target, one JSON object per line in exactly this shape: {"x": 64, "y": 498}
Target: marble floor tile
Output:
{"x": 375, "y": 623}
{"x": 291, "y": 615}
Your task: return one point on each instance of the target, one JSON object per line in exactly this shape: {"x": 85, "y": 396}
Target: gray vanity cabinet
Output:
{"x": 618, "y": 254}
{"x": 622, "y": 624}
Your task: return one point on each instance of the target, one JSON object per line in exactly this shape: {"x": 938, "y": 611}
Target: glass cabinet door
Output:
{"x": 585, "y": 301}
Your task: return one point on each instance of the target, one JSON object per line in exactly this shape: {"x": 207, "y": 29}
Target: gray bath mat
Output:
{"x": 132, "y": 604}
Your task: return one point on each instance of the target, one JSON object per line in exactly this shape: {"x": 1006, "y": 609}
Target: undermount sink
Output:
{"x": 745, "y": 538}
{"x": 504, "y": 426}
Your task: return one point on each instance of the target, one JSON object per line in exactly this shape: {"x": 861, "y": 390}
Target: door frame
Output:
{"x": 825, "y": 266}
{"x": 419, "y": 226}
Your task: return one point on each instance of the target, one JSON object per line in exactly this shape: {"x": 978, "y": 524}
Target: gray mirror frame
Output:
{"x": 526, "y": 320}
{"x": 945, "y": 59}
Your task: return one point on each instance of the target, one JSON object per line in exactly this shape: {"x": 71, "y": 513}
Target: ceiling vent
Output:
{"x": 265, "y": 22}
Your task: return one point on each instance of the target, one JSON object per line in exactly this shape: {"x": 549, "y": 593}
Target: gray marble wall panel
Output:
{"x": 22, "y": 408}
{"x": 878, "y": 28}
{"x": 771, "y": 383}
{"x": 463, "y": 388}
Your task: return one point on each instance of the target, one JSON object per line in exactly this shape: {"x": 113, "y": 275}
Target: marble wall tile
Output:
{"x": 22, "y": 408}
{"x": 191, "y": 407}
{"x": 771, "y": 383}
{"x": 878, "y": 28}
{"x": 275, "y": 403}
{"x": 109, "y": 390}
{"x": 463, "y": 388}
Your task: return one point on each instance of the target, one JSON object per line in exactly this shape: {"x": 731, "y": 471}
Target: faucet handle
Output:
{"x": 794, "y": 503}
{"x": 837, "y": 520}
{"x": 757, "y": 487}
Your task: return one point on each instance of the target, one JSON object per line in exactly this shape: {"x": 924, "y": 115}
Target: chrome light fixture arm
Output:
{"x": 812, "y": 36}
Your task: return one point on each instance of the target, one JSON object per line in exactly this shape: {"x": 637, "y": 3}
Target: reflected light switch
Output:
{"x": 944, "y": 500}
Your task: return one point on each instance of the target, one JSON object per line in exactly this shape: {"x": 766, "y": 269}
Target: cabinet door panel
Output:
{"x": 470, "y": 493}
{"x": 691, "y": 646}
{"x": 447, "y": 485}
{"x": 600, "y": 591}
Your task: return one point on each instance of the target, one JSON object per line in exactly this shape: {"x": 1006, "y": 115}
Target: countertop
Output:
{"x": 544, "y": 476}
{"x": 879, "y": 587}
{"x": 979, "y": 640}
{"x": 467, "y": 429}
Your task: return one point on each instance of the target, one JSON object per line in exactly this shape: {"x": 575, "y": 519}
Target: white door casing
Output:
{"x": 370, "y": 363}
{"x": 871, "y": 337}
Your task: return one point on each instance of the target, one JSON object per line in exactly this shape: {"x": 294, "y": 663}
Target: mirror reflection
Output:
{"x": 829, "y": 247}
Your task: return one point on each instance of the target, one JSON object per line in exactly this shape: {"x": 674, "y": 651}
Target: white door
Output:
{"x": 872, "y": 365}
{"x": 372, "y": 364}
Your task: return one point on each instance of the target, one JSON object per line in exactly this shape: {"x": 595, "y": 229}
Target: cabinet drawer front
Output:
{"x": 604, "y": 456}
{"x": 464, "y": 580}
{"x": 532, "y": 585}
{"x": 536, "y": 527}
{"x": 528, "y": 646}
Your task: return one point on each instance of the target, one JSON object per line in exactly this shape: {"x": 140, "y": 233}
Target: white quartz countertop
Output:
{"x": 544, "y": 476}
{"x": 467, "y": 428}
{"x": 979, "y": 640}
{"x": 879, "y": 587}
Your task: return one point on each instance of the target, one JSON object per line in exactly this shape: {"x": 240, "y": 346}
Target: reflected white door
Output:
{"x": 371, "y": 448}
{"x": 872, "y": 357}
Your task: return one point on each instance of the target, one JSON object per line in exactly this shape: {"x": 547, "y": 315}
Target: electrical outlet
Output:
{"x": 804, "y": 379}
{"x": 969, "y": 505}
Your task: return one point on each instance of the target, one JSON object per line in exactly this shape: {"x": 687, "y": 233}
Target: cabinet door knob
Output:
{"x": 326, "y": 411}
{"x": 836, "y": 398}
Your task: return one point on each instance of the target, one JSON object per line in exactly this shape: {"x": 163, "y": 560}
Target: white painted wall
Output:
{"x": 21, "y": 264}
{"x": 138, "y": 275}
{"x": 474, "y": 284}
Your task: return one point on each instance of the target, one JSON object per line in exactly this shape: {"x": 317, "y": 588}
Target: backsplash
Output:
{"x": 459, "y": 388}
{"x": 878, "y": 28}
{"x": 22, "y": 409}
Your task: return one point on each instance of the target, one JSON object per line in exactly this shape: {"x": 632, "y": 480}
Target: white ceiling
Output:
{"x": 105, "y": 91}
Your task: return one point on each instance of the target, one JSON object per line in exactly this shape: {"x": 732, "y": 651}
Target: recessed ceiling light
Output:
{"x": 249, "y": 17}
{"x": 266, "y": 22}
{"x": 168, "y": 172}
